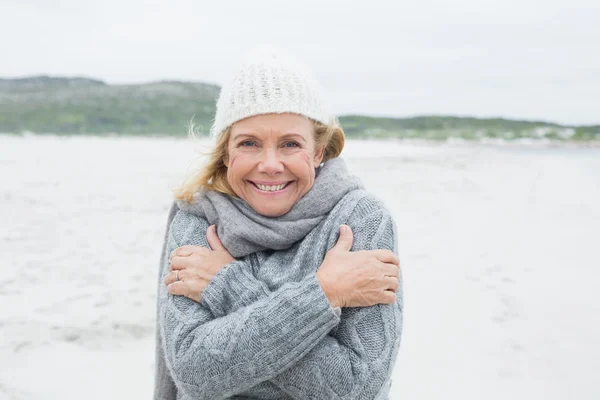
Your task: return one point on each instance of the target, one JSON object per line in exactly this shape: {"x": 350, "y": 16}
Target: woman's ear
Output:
{"x": 226, "y": 158}
{"x": 319, "y": 155}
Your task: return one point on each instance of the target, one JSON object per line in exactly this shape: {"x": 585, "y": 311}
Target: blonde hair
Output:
{"x": 213, "y": 175}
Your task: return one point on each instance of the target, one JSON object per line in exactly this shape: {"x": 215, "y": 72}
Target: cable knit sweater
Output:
{"x": 266, "y": 330}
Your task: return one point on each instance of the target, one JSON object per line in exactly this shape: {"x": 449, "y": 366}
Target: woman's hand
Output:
{"x": 193, "y": 267}
{"x": 361, "y": 278}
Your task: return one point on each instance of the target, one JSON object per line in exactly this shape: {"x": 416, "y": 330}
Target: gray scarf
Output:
{"x": 243, "y": 231}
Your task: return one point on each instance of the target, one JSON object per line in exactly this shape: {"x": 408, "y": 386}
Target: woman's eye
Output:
{"x": 291, "y": 144}
{"x": 247, "y": 143}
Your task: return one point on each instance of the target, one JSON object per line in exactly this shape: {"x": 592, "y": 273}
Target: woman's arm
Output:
{"x": 232, "y": 288}
{"x": 217, "y": 358}
{"x": 357, "y": 358}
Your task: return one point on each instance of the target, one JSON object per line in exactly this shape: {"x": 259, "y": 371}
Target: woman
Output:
{"x": 279, "y": 273}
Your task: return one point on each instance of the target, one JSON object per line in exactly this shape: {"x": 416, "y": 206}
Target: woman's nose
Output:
{"x": 270, "y": 162}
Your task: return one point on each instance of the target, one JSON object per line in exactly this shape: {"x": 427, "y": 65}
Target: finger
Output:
{"x": 213, "y": 238}
{"x": 184, "y": 262}
{"x": 195, "y": 261}
{"x": 345, "y": 240}
{"x": 386, "y": 256}
{"x": 187, "y": 250}
{"x": 387, "y": 297}
{"x": 183, "y": 251}
{"x": 390, "y": 270}
{"x": 190, "y": 289}
{"x": 178, "y": 288}
{"x": 170, "y": 277}
{"x": 176, "y": 276}
{"x": 392, "y": 283}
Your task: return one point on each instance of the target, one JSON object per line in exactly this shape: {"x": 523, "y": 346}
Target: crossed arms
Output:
{"x": 243, "y": 334}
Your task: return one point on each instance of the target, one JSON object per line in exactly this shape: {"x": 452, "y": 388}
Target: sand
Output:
{"x": 498, "y": 249}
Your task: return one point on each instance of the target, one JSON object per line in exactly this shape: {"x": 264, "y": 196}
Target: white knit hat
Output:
{"x": 269, "y": 81}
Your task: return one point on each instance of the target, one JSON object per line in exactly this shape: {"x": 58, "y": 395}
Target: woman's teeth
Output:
{"x": 271, "y": 188}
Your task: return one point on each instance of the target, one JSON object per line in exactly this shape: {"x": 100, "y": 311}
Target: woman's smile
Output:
{"x": 271, "y": 188}
{"x": 271, "y": 161}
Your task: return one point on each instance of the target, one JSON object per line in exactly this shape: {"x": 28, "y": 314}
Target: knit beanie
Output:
{"x": 269, "y": 81}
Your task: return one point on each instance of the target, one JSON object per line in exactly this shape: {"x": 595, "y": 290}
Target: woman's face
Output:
{"x": 271, "y": 161}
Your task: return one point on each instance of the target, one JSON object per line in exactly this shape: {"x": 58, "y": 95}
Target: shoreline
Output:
{"x": 449, "y": 142}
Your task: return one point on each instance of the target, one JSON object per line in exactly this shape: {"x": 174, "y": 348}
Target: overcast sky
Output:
{"x": 527, "y": 59}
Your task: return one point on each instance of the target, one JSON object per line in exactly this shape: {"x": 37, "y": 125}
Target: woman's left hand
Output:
{"x": 193, "y": 267}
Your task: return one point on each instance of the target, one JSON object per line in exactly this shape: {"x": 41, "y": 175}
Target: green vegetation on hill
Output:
{"x": 85, "y": 106}
{"x": 44, "y": 104}
{"x": 444, "y": 127}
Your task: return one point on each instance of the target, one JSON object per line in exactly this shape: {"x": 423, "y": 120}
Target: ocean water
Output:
{"x": 498, "y": 246}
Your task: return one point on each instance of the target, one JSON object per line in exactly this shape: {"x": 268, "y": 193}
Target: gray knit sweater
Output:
{"x": 266, "y": 330}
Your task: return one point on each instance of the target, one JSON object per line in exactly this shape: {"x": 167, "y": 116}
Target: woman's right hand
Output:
{"x": 361, "y": 278}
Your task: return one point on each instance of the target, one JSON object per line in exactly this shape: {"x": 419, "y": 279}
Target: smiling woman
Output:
{"x": 291, "y": 137}
{"x": 279, "y": 274}
{"x": 268, "y": 167}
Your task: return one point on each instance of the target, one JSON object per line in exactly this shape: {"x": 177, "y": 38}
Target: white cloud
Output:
{"x": 520, "y": 59}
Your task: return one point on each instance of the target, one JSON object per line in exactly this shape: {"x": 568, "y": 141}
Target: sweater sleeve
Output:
{"x": 216, "y": 358}
{"x": 356, "y": 359}
{"x": 232, "y": 288}
{"x": 164, "y": 387}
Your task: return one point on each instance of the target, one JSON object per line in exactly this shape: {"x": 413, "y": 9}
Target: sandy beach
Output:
{"x": 498, "y": 248}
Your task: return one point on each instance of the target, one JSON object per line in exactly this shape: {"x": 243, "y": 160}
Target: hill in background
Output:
{"x": 43, "y": 104}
